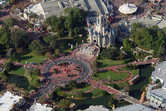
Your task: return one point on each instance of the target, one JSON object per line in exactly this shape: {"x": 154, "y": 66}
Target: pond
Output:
{"x": 85, "y": 103}
{"x": 145, "y": 73}
{"x": 20, "y": 81}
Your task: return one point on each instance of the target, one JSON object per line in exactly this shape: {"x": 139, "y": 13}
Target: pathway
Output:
{"x": 116, "y": 68}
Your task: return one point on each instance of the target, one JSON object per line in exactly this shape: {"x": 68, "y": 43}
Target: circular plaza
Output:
{"x": 67, "y": 69}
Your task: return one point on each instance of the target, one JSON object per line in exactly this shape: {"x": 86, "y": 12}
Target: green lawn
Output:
{"x": 82, "y": 89}
{"x": 30, "y": 57}
{"x": 111, "y": 75}
{"x": 134, "y": 71}
{"x": 107, "y": 62}
{"x": 97, "y": 93}
{"x": 18, "y": 70}
{"x": 20, "y": 81}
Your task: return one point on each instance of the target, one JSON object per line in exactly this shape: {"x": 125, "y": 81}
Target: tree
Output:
{"x": 20, "y": 39}
{"x": 72, "y": 84}
{"x": 4, "y": 76}
{"x": 8, "y": 66}
{"x": 36, "y": 72}
{"x": 57, "y": 52}
{"x": 42, "y": 99}
{"x": 111, "y": 53}
{"x": 5, "y": 39}
{"x": 14, "y": 56}
{"x": 48, "y": 55}
{"x": 64, "y": 104}
{"x": 145, "y": 1}
{"x": 76, "y": 30}
{"x": 94, "y": 66}
{"x": 80, "y": 93}
{"x": 37, "y": 47}
{"x": 11, "y": 22}
{"x": 126, "y": 88}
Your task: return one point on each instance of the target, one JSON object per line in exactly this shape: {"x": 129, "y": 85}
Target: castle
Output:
{"x": 100, "y": 32}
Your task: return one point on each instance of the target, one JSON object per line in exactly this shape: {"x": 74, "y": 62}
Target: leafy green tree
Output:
{"x": 4, "y": 76}
{"x": 72, "y": 84}
{"x": 111, "y": 53}
{"x": 36, "y": 72}
{"x": 14, "y": 56}
{"x": 145, "y": 1}
{"x": 64, "y": 105}
{"x": 128, "y": 45}
{"x": 20, "y": 39}
{"x": 76, "y": 30}
{"x": 37, "y": 47}
{"x": 57, "y": 52}
{"x": 11, "y": 22}
{"x": 8, "y": 66}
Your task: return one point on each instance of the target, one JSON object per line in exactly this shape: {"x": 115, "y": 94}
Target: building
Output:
{"x": 40, "y": 107}
{"x": 149, "y": 20}
{"x": 96, "y": 108}
{"x": 48, "y": 8}
{"x": 3, "y": 3}
{"x": 127, "y": 9}
{"x": 10, "y": 101}
{"x": 100, "y": 32}
{"x": 134, "y": 107}
{"x": 156, "y": 93}
{"x": 134, "y": 80}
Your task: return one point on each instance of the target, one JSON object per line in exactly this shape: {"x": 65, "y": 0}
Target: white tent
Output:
{"x": 127, "y": 8}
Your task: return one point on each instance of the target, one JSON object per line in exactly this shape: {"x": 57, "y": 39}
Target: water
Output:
{"x": 20, "y": 81}
{"x": 85, "y": 103}
{"x": 145, "y": 73}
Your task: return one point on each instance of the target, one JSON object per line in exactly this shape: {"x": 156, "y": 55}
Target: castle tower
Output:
{"x": 99, "y": 40}
{"x": 104, "y": 41}
{"x": 100, "y": 23}
{"x": 90, "y": 35}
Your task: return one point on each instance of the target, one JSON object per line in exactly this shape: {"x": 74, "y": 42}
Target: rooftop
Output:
{"x": 8, "y": 100}
{"x": 127, "y": 8}
{"x": 96, "y": 108}
{"x": 160, "y": 73}
{"x": 159, "y": 93}
{"x": 134, "y": 107}
{"x": 40, "y": 107}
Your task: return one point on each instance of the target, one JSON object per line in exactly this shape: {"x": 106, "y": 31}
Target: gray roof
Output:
{"x": 162, "y": 24}
{"x": 56, "y": 7}
{"x": 159, "y": 92}
{"x": 149, "y": 21}
{"x": 143, "y": 20}
{"x": 52, "y": 8}
{"x": 134, "y": 107}
{"x": 160, "y": 73}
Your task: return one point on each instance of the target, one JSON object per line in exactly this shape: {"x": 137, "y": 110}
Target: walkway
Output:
{"x": 116, "y": 68}
{"x": 101, "y": 86}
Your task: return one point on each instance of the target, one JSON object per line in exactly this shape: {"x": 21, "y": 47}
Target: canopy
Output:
{"x": 127, "y": 8}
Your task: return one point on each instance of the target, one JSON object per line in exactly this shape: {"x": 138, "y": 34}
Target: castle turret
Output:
{"x": 104, "y": 41}
{"x": 90, "y": 35}
{"x": 99, "y": 40}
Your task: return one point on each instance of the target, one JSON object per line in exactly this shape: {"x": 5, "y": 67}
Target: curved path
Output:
{"x": 116, "y": 68}
{"x": 53, "y": 82}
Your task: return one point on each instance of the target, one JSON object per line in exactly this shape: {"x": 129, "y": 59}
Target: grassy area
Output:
{"x": 82, "y": 89}
{"x": 20, "y": 81}
{"x": 93, "y": 94}
{"x": 97, "y": 93}
{"x": 30, "y": 57}
{"x": 134, "y": 71}
{"x": 107, "y": 62}
{"x": 18, "y": 70}
{"x": 109, "y": 75}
